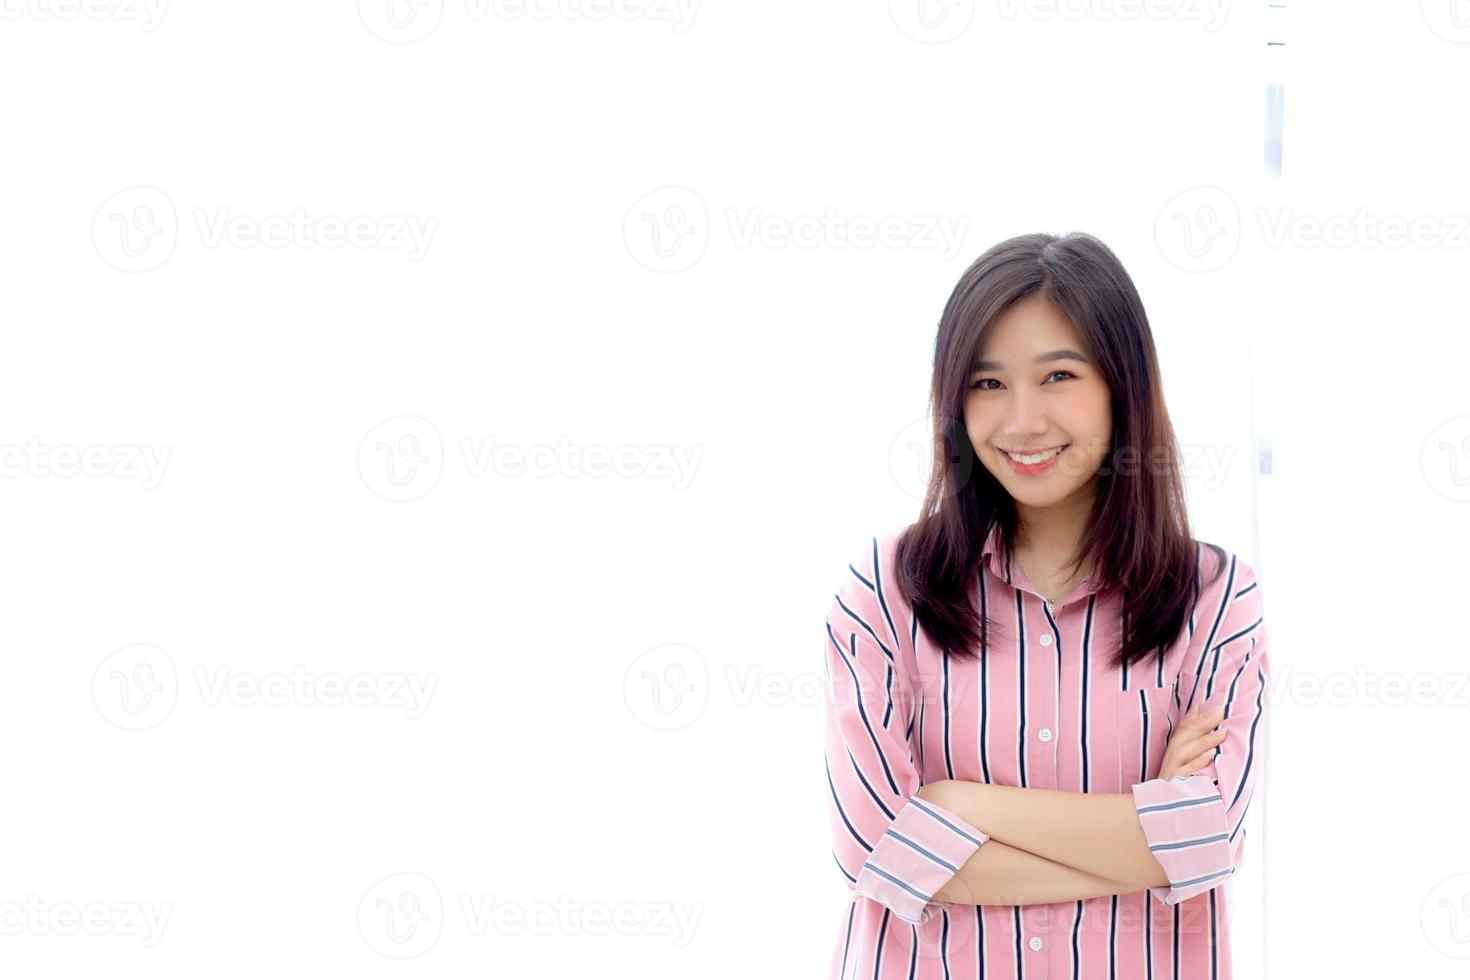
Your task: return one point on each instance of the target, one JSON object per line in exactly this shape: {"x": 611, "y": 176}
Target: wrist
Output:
{"x": 956, "y": 797}
{"x": 936, "y": 792}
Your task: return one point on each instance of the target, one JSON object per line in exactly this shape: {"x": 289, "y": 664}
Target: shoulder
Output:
{"x": 1226, "y": 579}
{"x": 868, "y": 581}
{"x": 871, "y": 558}
{"x": 868, "y": 601}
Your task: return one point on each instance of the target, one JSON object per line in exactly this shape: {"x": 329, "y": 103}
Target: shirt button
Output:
{"x": 1046, "y": 639}
{"x": 1035, "y": 942}
{"x": 1044, "y": 734}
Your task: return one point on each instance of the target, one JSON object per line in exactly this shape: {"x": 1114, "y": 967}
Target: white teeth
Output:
{"x": 1037, "y": 458}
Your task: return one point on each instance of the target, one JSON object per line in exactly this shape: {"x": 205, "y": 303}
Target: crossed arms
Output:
{"x": 914, "y": 846}
{"x": 1045, "y": 845}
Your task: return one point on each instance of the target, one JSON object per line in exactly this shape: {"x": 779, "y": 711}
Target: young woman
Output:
{"x": 1046, "y": 699}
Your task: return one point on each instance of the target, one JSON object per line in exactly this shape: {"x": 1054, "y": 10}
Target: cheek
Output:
{"x": 1101, "y": 406}
{"x": 1093, "y": 420}
{"x": 1090, "y": 425}
{"x": 975, "y": 421}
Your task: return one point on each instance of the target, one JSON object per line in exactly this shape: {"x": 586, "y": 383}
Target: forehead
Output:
{"x": 1028, "y": 327}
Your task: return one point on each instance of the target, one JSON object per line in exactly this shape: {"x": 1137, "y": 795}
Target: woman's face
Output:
{"x": 1025, "y": 396}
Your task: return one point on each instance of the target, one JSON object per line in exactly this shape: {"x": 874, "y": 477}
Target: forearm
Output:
{"x": 1098, "y": 833}
{"x": 999, "y": 874}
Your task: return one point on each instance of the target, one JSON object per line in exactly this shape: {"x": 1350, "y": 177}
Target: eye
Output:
{"x": 982, "y": 381}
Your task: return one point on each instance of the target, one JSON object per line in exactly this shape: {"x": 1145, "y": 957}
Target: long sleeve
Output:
{"x": 1193, "y": 823}
{"x": 891, "y": 846}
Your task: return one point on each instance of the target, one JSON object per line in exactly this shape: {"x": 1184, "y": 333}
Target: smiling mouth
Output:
{"x": 1031, "y": 459}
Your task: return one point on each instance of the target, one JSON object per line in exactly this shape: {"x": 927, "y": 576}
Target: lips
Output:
{"x": 1035, "y": 452}
{"x": 1038, "y": 469}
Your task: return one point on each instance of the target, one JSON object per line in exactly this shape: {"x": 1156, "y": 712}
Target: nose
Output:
{"x": 1024, "y": 416}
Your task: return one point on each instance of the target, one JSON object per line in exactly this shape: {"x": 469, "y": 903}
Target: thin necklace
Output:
{"x": 1049, "y": 602}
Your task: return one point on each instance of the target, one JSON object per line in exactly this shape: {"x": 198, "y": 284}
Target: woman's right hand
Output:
{"x": 1192, "y": 745}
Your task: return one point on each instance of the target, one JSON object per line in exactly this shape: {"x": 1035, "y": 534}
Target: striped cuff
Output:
{"x": 1184, "y": 821}
{"x": 924, "y": 847}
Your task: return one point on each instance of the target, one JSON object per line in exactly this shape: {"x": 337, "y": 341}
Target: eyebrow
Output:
{"x": 1054, "y": 355}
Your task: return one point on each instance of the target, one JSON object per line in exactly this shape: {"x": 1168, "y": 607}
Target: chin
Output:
{"x": 1037, "y": 497}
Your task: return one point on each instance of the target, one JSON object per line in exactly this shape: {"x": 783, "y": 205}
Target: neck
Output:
{"x": 1050, "y": 536}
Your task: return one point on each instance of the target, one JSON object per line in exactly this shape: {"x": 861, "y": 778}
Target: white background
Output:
{"x": 307, "y": 457}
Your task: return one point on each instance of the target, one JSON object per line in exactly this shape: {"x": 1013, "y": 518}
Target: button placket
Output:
{"x": 1050, "y": 641}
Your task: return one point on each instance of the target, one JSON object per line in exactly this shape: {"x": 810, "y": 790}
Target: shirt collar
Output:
{"x": 991, "y": 554}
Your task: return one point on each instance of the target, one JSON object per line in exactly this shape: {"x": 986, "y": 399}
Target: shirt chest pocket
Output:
{"x": 1146, "y": 718}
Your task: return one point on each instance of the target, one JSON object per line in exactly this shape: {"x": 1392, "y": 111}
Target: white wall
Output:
{"x": 621, "y": 669}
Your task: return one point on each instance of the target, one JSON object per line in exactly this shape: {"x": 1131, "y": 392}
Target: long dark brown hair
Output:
{"x": 1138, "y": 532}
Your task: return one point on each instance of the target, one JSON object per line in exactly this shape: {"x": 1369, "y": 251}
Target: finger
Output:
{"x": 1188, "y": 741}
{"x": 1212, "y": 744}
{"x": 1189, "y": 766}
{"x": 1187, "y": 748}
{"x": 1194, "y": 717}
{"x": 1211, "y": 739}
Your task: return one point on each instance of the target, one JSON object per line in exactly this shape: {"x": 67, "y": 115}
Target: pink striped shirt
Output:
{"x": 1044, "y": 710}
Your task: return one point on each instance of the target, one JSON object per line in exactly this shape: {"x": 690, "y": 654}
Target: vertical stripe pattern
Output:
{"x": 1042, "y": 708}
